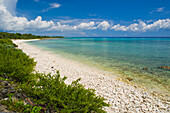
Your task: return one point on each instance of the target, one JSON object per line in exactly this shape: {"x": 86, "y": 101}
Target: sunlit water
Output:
{"x": 126, "y": 56}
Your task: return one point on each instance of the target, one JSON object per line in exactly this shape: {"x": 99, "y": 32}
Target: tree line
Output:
{"x": 24, "y": 36}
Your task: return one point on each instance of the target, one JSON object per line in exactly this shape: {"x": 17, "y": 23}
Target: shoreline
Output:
{"x": 121, "y": 96}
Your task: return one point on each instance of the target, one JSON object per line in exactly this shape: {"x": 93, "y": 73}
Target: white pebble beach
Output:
{"x": 123, "y": 97}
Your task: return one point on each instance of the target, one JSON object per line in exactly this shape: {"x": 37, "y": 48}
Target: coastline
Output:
{"x": 121, "y": 96}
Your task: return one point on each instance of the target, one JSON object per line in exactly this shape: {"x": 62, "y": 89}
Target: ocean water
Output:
{"x": 126, "y": 56}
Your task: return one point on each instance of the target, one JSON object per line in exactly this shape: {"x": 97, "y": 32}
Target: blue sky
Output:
{"x": 86, "y": 17}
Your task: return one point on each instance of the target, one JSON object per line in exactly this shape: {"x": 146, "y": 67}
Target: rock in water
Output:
{"x": 164, "y": 67}
{"x": 145, "y": 68}
{"x": 130, "y": 79}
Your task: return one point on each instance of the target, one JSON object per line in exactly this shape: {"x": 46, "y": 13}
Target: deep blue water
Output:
{"x": 127, "y": 56}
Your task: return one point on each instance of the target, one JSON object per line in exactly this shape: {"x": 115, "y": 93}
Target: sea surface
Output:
{"x": 134, "y": 58}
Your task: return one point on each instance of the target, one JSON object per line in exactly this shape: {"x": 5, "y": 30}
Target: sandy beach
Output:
{"x": 123, "y": 97}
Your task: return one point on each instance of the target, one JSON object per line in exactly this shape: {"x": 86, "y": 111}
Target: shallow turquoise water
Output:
{"x": 127, "y": 56}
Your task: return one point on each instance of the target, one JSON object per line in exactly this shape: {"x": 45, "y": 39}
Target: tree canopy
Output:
{"x": 24, "y": 36}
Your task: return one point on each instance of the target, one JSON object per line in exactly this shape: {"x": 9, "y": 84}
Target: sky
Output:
{"x": 86, "y": 18}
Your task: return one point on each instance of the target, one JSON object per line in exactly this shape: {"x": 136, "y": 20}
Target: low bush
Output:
{"x": 15, "y": 63}
{"x": 52, "y": 92}
{"x": 7, "y": 42}
{"x": 19, "y": 106}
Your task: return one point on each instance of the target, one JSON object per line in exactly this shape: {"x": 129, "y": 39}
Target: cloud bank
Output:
{"x": 143, "y": 27}
{"x": 10, "y": 5}
{"x": 10, "y": 22}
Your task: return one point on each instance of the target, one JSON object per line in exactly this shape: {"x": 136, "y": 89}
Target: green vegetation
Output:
{"x": 7, "y": 42}
{"x": 24, "y": 36}
{"x": 18, "y": 106}
{"x": 58, "y": 97}
{"x": 47, "y": 91}
{"x": 15, "y": 63}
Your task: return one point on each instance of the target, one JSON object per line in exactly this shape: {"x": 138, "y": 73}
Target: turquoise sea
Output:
{"x": 136, "y": 58}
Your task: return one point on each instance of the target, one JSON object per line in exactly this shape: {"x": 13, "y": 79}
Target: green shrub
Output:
{"x": 19, "y": 106}
{"x": 58, "y": 97}
{"x": 7, "y": 42}
{"x": 15, "y": 63}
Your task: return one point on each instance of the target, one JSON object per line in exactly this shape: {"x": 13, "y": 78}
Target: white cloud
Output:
{"x": 119, "y": 28}
{"x": 68, "y": 20}
{"x": 148, "y": 21}
{"x": 60, "y": 27}
{"x": 158, "y": 10}
{"x": 143, "y": 27}
{"x": 55, "y": 5}
{"x": 39, "y": 24}
{"x": 104, "y": 25}
{"x": 52, "y": 6}
{"x": 85, "y": 26}
{"x": 10, "y": 5}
